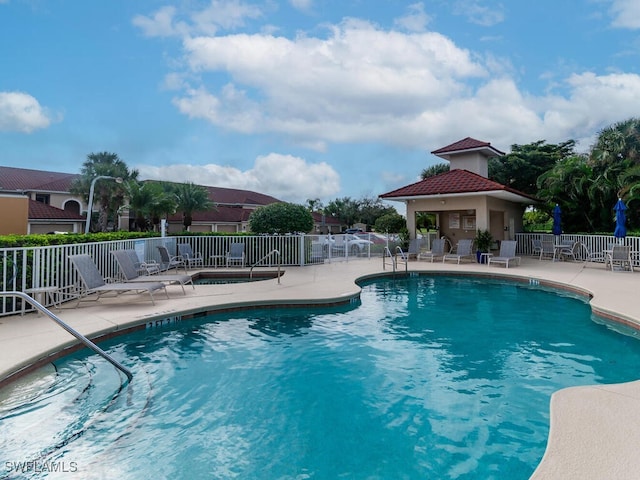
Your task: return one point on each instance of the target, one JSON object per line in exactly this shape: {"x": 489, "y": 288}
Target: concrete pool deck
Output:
{"x": 594, "y": 432}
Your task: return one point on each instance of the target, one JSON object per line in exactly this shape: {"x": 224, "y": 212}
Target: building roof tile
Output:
{"x": 465, "y": 144}
{"x": 42, "y": 211}
{"x": 23, "y": 179}
{"x": 451, "y": 182}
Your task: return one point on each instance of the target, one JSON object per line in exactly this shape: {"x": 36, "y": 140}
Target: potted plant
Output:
{"x": 483, "y": 242}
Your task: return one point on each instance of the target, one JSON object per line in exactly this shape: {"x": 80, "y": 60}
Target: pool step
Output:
{"x": 38, "y": 417}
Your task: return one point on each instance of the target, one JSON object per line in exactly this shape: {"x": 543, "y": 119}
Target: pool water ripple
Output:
{"x": 426, "y": 378}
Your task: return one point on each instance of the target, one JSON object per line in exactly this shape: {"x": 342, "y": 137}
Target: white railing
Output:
{"x": 81, "y": 338}
{"x": 594, "y": 243}
{"x": 28, "y": 268}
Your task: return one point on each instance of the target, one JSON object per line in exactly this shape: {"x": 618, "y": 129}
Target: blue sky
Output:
{"x": 306, "y": 98}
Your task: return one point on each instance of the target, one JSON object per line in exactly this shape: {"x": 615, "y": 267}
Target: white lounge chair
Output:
{"x": 190, "y": 258}
{"x": 437, "y": 250}
{"x": 619, "y": 258}
{"x": 143, "y": 268}
{"x": 547, "y": 250}
{"x": 586, "y": 255}
{"x": 93, "y": 281}
{"x": 507, "y": 253}
{"x": 235, "y": 254}
{"x": 414, "y": 248}
{"x": 129, "y": 273}
{"x": 168, "y": 261}
{"x": 463, "y": 251}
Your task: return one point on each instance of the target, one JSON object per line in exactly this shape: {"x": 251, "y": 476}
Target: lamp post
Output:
{"x": 93, "y": 185}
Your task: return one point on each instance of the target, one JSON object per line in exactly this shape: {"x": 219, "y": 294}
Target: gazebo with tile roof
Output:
{"x": 464, "y": 199}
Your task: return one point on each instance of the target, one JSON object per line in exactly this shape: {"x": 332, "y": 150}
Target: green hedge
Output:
{"x": 43, "y": 240}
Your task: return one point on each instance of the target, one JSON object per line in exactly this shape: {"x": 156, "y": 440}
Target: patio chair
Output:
{"x": 93, "y": 281}
{"x": 547, "y": 249}
{"x": 620, "y": 256}
{"x": 438, "y": 247}
{"x": 570, "y": 251}
{"x": 130, "y": 274}
{"x": 143, "y": 268}
{"x": 167, "y": 261}
{"x": 463, "y": 250}
{"x": 507, "y": 253}
{"x": 190, "y": 258}
{"x": 235, "y": 254}
{"x": 414, "y": 248}
{"x": 585, "y": 254}
{"x": 536, "y": 246}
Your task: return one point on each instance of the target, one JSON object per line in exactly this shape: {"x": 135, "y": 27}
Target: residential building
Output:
{"x": 37, "y": 201}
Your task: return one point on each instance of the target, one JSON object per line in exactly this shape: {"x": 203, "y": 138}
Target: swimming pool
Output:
{"x": 429, "y": 377}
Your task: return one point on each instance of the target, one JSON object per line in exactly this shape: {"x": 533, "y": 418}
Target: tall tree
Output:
{"x": 346, "y": 209}
{"x": 568, "y": 184}
{"x": 434, "y": 170}
{"x": 192, "y": 198}
{"x": 314, "y": 205}
{"x": 370, "y": 209}
{"x": 109, "y": 195}
{"x": 614, "y": 158}
{"x": 619, "y": 142}
{"x": 281, "y": 218}
{"x": 149, "y": 201}
{"x": 521, "y": 168}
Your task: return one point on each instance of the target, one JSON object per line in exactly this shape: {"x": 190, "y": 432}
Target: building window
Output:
{"x": 43, "y": 198}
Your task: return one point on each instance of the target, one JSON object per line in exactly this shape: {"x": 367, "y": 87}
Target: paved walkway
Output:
{"x": 595, "y": 430}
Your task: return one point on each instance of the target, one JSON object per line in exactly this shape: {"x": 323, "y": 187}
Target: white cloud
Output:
{"x": 160, "y": 24}
{"x": 355, "y": 85}
{"x": 363, "y": 84}
{"x": 302, "y": 5}
{"x": 478, "y": 13}
{"x": 285, "y": 177}
{"x": 626, "y": 13}
{"x": 414, "y": 21}
{"x": 219, "y": 14}
{"x": 226, "y": 14}
{"x": 20, "y": 112}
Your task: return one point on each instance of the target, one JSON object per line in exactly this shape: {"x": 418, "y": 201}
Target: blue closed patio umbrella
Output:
{"x": 557, "y": 220}
{"x": 621, "y": 219}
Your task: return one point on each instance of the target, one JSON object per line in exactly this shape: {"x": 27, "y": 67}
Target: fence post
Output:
{"x": 302, "y": 262}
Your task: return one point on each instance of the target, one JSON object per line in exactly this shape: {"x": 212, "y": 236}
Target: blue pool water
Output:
{"x": 425, "y": 378}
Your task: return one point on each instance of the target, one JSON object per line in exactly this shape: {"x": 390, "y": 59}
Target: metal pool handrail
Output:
{"x": 405, "y": 258}
{"x": 387, "y": 253}
{"x": 394, "y": 259}
{"x": 84, "y": 340}
{"x": 264, "y": 258}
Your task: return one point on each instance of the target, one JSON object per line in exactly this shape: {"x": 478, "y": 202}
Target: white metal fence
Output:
{"x": 594, "y": 243}
{"x": 28, "y": 268}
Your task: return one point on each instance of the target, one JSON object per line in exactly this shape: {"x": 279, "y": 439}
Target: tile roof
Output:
{"x": 452, "y": 182}
{"x": 23, "y": 179}
{"x": 467, "y": 143}
{"x": 234, "y": 196}
{"x": 42, "y": 211}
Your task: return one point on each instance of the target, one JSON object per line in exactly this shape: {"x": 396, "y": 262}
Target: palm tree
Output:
{"x": 434, "y": 170}
{"x": 569, "y": 184}
{"x": 109, "y": 195}
{"x": 618, "y": 142}
{"x": 148, "y": 201}
{"x": 192, "y": 198}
